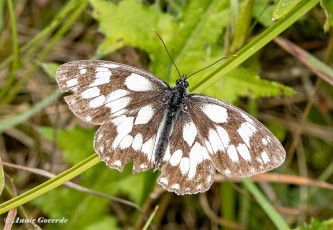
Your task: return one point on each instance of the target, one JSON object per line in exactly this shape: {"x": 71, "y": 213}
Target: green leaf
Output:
{"x": 104, "y": 223}
{"x": 244, "y": 82}
{"x": 328, "y": 7}
{"x": 316, "y": 225}
{"x": 263, "y": 12}
{"x": 283, "y": 7}
{"x": 76, "y": 145}
{"x": 243, "y": 24}
{"x": 50, "y": 68}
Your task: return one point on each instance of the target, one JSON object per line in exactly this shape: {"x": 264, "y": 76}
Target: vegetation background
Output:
{"x": 287, "y": 85}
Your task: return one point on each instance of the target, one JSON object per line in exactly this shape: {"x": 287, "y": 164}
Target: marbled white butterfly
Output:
{"x": 185, "y": 136}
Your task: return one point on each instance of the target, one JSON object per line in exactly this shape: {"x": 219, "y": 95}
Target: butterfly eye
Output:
{"x": 178, "y": 81}
{"x": 186, "y": 84}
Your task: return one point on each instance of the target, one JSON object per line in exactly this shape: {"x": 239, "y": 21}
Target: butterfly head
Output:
{"x": 182, "y": 82}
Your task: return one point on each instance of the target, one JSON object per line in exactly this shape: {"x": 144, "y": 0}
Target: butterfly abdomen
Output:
{"x": 175, "y": 102}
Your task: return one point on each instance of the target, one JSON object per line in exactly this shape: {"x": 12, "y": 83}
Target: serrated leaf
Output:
{"x": 244, "y": 82}
{"x": 328, "y": 7}
{"x": 283, "y": 7}
{"x": 131, "y": 23}
{"x": 50, "y": 68}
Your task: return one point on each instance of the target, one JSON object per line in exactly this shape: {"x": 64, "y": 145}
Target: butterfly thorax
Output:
{"x": 175, "y": 103}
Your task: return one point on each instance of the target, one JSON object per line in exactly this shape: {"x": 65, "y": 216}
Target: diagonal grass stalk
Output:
{"x": 252, "y": 47}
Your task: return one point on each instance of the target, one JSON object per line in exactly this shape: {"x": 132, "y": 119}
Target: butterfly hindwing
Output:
{"x": 238, "y": 144}
{"x": 186, "y": 167}
{"x": 104, "y": 90}
{"x": 130, "y": 136}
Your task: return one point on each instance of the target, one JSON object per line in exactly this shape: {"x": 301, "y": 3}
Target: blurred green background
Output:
{"x": 287, "y": 85}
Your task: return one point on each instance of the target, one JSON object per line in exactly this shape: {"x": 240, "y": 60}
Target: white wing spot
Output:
{"x": 264, "y": 141}
{"x": 244, "y": 152}
{"x": 126, "y": 142}
{"x": 164, "y": 180}
{"x": 137, "y": 142}
{"x": 142, "y": 166}
{"x": 209, "y": 147}
{"x": 247, "y": 118}
{"x": 97, "y": 102}
{"x": 232, "y": 153}
{"x": 136, "y": 82}
{"x": 227, "y": 172}
{"x": 99, "y": 136}
{"x": 101, "y": 149}
{"x": 197, "y": 154}
{"x": 215, "y": 141}
{"x": 167, "y": 154}
{"x": 176, "y": 157}
{"x": 118, "y": 120}
{"x": 259, "y": 160}
{"x": 102, "y": 77}
{"x": 124, "y": 127}
{"x": 83, "y": 70}
{"x": 265, "y": 157}
{"x": 246, "y": 131}
{"x": 209, "y": 179}
{"x": 90, "y": 93}
{"x": 72, "y": 82}
{"x": 175, "y": 186}
{"x": 184, "y": 165}
{"x": 224, "y": 136}
{"x": 216, "y": 113}
{"x": 88, "y": 118}
{"x": 110, "y": 65}
{"x": 120, "y": 112}
{"x": 116, "y": 95}
{"x": 189, "y": 133}
{"x": 199, "y": 186}
{"x": 119, "y": 104}
{"x": 117, "y": 163}
{"x": 148, "y": 147}
{"x": 107, "y": 158}
{"x": 144, "y": 115}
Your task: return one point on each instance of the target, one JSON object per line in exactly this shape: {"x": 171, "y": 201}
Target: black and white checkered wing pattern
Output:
{"x": 104, "y": 90}
{"x": 126, "y": 101}
{"x": 212, "y": 134}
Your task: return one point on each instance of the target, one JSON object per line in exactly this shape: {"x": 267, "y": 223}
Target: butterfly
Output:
{"x": 185, "y": 136}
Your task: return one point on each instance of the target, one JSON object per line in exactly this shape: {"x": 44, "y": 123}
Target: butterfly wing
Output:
{"x": 209, "y": 134}
{"x": 186, "y": 167}
{"x": 126, "y": 101}
{"x": 104, "y": 90}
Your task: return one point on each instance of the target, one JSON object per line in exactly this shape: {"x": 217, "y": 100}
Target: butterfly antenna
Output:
{"x": 234, "y": 55}
{"x": 167, "y": 52}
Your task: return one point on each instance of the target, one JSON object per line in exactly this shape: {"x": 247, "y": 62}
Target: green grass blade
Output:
{"x": 266, "y": 205}
{"x": 11, "y": 76}
{"x": 65, "y": 27}
{"x": 50, "y": 184}
{"x": 13, "y": 121}
{"x": 255, "y": 45}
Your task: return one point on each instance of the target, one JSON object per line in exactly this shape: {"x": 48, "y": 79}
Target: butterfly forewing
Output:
{"x": 104, "y": 90}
